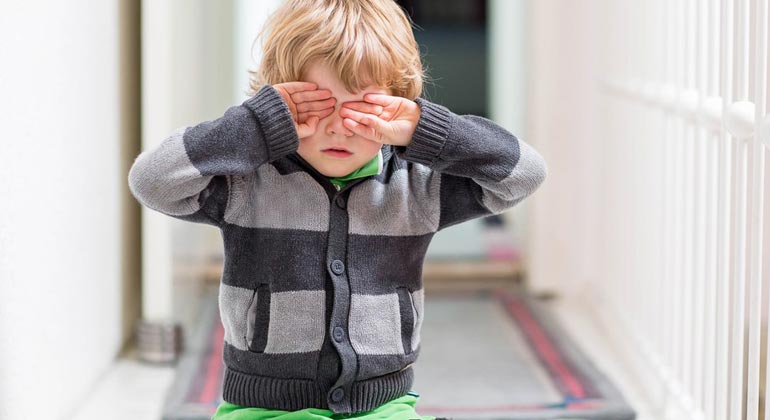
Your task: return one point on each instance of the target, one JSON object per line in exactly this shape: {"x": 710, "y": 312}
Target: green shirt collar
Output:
{"x": 373, "y": 167}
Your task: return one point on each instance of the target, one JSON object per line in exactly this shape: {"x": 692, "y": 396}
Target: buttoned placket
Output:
{"x": 338, "y": 397}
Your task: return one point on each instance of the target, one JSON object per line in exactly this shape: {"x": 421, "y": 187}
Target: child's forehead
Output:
{"x": 326, "y": 78}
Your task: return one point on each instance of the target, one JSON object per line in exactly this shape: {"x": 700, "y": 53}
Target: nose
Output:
{"x": 334, "y": 124}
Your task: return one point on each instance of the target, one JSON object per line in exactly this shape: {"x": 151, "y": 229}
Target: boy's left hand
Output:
{"x": 382, "y": 118}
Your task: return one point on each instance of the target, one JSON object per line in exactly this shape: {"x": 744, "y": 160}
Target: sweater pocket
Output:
{"x": 258, "y": 319}
{"x": 407, "y": 314}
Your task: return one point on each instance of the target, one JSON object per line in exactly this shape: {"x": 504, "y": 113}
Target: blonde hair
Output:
{"x": 366, "y": 42}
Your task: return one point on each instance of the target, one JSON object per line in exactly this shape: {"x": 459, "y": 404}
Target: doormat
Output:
{"x": 484, "y": 355}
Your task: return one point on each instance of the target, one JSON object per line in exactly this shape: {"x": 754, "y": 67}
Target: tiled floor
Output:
{"x": 489, "y": 374}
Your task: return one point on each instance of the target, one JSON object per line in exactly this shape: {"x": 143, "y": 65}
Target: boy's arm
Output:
{"x": 483, "y": 169}
{"x": 187, "y": 176}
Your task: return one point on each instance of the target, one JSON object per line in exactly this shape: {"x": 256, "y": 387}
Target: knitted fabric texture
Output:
{"x": 321, "y": 295}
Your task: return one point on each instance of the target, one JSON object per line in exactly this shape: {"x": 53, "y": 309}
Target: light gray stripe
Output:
{"x": 296, "y": 321}
{"x": 406, "y": 206}
{"x": 260, "y": 200}
{"x": 233, "y": 309}
{"x": 375, "y": 324}
{"x": 418, "y": 298}
{"x": 526, "y": 176}
{"x": 165, "y": 180}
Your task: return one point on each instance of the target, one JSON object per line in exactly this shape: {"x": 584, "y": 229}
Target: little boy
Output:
{"x": 327, "y": 185}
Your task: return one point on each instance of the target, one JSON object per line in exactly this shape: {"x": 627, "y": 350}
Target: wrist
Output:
{"x": 274, "y": 118}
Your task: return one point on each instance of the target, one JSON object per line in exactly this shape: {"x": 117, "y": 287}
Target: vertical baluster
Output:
{"x": 637, "y": 157}
{"x": 614, "y": 148}
{"x": 760, "y": 210}
{"x": 670, "y": 204}
{"x": 687, "y": 210}
{"x": 724, "y": 217}
{"x": 624, "y": 193}
{"x": 628, "y": 170}
{"x": 648, "y": 262}
{"x": 668, "y": 184}
{"x": 658, "y": 51}
{"x": 738, "y": 240}
{"x": 690, "y": 220}
{"x": 754, "y": 254}
{"x": 679, "y": 206}
{"x": 698, "y": 216}
{"x": 710, "y": 365}
{"x": 616, "y": 153}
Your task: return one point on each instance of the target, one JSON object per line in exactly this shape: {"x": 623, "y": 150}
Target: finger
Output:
{"x": 293, "y": 87}
{"x": 369, "y": 126}
{"x": 362, "y": 130}
{"x": 303, "y": 116}
{"x": 316, "y": 105}
{"x": 311, "y": 95}
{"x": 364, "y": 107}
{"x": 379, "y": 99}
{"x": 364, "y": 118}
{"x": 308, "y": 127}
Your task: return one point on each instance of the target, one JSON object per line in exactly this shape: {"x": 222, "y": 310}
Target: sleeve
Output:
{"x": 187, "y": 176}
{"x": 477, "y": 167}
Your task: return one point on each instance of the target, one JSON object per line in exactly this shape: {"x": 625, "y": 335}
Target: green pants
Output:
{"x": 401, "y": 408}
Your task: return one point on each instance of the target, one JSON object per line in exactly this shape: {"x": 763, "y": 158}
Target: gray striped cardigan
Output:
{"x": 321, "y": 295}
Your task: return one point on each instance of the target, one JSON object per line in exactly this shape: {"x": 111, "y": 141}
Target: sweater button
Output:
{"x": 337, "y": 395}
{"x": 339, "y": 334}
{"x": 338, "y": 267}
{"x": 340, "y": 202}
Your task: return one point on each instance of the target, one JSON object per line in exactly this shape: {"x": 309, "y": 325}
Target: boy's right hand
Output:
{"x": 307, "y": 104}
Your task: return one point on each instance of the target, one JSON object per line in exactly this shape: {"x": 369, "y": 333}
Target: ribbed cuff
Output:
{"x": 370, "y": 394}
{"x": 275, "y": 119}
{"x": 296, "y": 394}
{"x": 430, "y": 135}
{"x": 265, "y": 392}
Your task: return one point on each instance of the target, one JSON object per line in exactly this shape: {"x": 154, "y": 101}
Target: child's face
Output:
{"x": 331, "y": 133}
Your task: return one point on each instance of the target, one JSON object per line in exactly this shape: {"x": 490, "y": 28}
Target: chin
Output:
{"x": 333, "y": 173}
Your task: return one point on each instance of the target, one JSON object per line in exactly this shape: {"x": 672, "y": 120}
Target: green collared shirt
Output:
{"x": 373, "y": 167}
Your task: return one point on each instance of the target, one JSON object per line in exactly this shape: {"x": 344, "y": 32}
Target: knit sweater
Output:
{"x": 321, "y": 295}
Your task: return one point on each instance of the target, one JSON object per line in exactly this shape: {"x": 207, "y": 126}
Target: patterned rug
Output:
{"x": 484, "y": 355}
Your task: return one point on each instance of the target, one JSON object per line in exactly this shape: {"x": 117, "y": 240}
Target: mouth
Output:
{"x": 337, "y": 152}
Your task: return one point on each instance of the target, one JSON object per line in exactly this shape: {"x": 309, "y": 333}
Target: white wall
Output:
{"x": 187, "y": 78}
{"x": 508, "y": 91}
{"x": 562, "y": 124}
{"x": 60, "y": 218}
{"x": 249, "y": 17}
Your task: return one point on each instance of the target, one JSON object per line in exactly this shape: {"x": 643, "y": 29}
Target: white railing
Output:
{"x": 684, "y": 115}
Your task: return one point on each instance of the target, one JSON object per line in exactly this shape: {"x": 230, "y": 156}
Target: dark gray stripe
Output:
{"x": 291, "y": 395}
{"x": 461, "y": 200}
{"x": 286, "y": 259}
{"x": 373, "y": 365}
{"x": 380, "y": 264}
{"x": 280, "y": 365}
